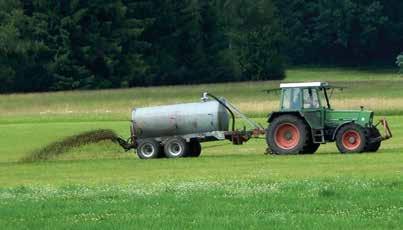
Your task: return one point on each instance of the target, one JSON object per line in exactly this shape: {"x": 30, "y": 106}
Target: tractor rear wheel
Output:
{"x": 288, "y": 134}
{"x": 374, "y": 146}
{"x": 352, "y": 138}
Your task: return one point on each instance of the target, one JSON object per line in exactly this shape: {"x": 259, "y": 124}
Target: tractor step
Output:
{"x": 318, "y": 136}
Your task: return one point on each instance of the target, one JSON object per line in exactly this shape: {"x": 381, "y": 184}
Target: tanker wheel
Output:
{"x": 374, "y": 146}
{"x": 148, "y": 149}
{"x": 194, "y": 149}
{"x": 352, "y": 138}
{"x": 175, "y": 147}
{"x": 161, "y": 152}
{"x": 288, "y": 134}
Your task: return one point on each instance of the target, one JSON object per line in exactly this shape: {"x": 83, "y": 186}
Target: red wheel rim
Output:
{"x": 287, "y": 136}
{"x": 351, "y": 139}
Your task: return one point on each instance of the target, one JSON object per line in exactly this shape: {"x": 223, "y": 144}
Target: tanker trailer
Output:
{"x": 175, "y": 131}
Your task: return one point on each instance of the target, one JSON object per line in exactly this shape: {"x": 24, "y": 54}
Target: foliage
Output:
{"x": 399, "y": 62}
{"x": 95, "y": 44}
{"x": 63, "y": 45}
{"x": 23, "y": 58}
{"x": 260, "y": 43}
{"x": 51, "y": 45}
{"x": 81, "y": 44}
{"x": 328, "y": 32}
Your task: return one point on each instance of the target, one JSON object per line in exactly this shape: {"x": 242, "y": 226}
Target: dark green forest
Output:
{"x": 48, "y": 45}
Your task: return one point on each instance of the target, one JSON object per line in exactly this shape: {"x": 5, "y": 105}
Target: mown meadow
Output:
{"x": 229, "y": 187}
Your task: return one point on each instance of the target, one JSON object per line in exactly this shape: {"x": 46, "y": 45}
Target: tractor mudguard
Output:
{"x": 338, "y": 128}
{"x": 276, "y": 114}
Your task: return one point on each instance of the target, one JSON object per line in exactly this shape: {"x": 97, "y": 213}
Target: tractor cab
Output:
{"x": 306, "y": 120}
{"x": 299, "y": 96}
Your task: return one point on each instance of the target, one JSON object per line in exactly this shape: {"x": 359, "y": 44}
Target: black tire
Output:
{"x": 175, "y": 147}
{"x": 311, "y": 148}
{"x": 357, "y": 142}
{"x": 161, "y": 152}
{"x": 273, "y": 135}
{"x": 374, "y": 146}
{"x": 148, "y": 149}
{"x": 194, "y": 149}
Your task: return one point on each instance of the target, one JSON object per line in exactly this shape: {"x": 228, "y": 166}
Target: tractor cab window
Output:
{"x": 291, "y": 99}
{"x": 322, "y": 98}
{"x": 311, "y": 99}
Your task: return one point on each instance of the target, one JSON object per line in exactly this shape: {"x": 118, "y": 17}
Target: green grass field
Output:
{"x": 229, "y": 187}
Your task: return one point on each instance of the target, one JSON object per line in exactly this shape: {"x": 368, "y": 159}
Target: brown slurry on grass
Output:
{"x": 59, "y": 147}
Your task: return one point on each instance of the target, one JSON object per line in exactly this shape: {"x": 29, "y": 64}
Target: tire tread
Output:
{"x": 304, "y": 132}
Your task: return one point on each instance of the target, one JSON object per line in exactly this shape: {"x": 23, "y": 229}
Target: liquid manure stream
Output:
{"x": 59, "y": 147}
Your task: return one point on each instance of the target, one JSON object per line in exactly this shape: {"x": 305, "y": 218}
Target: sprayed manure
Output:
{"x": 59, "y": 147}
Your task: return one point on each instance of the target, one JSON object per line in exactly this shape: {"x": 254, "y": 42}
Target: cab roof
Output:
{"x": 305, "y": 85}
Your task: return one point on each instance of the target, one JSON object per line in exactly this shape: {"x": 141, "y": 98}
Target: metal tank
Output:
{"x": 180, "y": 119}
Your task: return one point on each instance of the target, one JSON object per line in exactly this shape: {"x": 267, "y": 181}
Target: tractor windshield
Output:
{"x": 304, "y": 98}
{"x": 291, "y": 99}
{"x": 311, "y": 98}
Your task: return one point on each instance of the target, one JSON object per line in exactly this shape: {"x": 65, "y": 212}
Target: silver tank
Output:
{"x": 180, "y": 119}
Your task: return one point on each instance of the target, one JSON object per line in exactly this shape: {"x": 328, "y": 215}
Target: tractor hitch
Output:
{"x": 387, "y": 133}
{"x": 239, "y": 137}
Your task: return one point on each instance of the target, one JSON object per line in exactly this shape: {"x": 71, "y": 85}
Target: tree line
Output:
{"x": 399, "y": 62}
{"x": 345, "y": 32}
{"x": 91, "y": 44}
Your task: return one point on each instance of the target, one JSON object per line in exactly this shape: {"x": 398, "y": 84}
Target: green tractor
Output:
{"x": 306, "y": 120}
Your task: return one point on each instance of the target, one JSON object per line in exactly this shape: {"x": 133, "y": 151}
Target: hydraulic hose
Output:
{"x": 225, "y": 106}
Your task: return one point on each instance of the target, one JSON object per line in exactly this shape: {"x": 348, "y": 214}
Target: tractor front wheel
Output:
{"x": 288, "y": 134}
{"x": 374, "y": 145}
{"x": 352, "y": 138}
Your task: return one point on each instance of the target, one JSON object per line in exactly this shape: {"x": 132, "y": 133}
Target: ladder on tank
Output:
{"x": 234, "y": 109}
{"x": 258, "y": 129}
